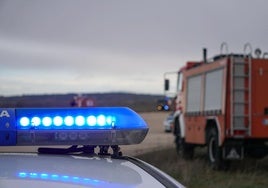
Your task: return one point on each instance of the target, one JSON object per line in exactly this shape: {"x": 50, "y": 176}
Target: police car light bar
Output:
{"x": 71, "y": 126}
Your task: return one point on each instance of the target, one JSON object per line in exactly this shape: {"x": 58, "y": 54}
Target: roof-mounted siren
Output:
{"x": 264, "y": 54}
{"x": 258, "y": 53}
{"x": 224, "y": 45}
{"x": 247, "y": 49}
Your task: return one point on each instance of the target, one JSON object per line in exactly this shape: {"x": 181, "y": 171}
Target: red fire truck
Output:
{"x": 222, "y": 103}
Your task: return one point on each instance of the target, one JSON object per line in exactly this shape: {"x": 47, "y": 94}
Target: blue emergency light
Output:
{"x": 71, "y": 126}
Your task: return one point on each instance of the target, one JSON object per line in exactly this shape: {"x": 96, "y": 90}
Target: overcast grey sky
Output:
{"x": 63, "y": 46}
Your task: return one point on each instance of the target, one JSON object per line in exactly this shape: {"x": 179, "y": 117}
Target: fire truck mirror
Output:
{"x": 166, "y": 84}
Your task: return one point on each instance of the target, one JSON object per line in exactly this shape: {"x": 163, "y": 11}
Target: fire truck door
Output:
{"x": 259, "y": 99}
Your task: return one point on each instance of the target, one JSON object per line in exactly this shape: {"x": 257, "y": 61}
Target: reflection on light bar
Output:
{"x": 75, "y": 126}
{"x": 60, "y": 178}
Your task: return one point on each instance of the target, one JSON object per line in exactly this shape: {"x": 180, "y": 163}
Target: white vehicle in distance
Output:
{"x": 93, "y": 159}
{"x": 168, "y": 122}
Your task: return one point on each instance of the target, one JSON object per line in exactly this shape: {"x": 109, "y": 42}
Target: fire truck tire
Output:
{"x": 214, "y": 150}
{"x": 185, "y": 150}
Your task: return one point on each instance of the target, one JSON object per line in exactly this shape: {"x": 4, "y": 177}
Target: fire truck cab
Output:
{"x": 222, "y": 103}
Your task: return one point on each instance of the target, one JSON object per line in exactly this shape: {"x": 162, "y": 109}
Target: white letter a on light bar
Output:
{"x": 4, "y": 113}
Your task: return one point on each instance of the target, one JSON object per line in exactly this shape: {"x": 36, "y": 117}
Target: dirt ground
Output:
{"x": 156, "y": 138}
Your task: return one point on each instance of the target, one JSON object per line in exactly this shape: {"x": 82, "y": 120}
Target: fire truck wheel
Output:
{"x": 214, "y": 150}
{"x": 185, "y": 150}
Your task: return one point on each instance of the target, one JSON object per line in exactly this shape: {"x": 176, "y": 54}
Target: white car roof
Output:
{"x": 26, "y": 170}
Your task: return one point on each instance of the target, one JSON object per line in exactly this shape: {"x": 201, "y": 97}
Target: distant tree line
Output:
{"x": 138, "y": 102}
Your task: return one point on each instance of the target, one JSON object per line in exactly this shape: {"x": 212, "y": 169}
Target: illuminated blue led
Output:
{"x": 166, "y": 107}
{"x": 76, "y": 179}
{"x": 54, "y": 176}
{"x": 68, "y": 120}
{"x": 65, "y": 177}
{"x": 47, "y": 121}
{"x": 44, "y": 176}
{"x": 91, "y": 120}
{"x": 101, "y": 120}
{"x": 110, "y": 120}
{"x": 36, "y": 121}
{"x": 80, "y": 121}
{"x": 57, "y": 121}
{"x": 33, "y": 175}
{"x": 22, "y": 175}
{"x": 24, "y": 121}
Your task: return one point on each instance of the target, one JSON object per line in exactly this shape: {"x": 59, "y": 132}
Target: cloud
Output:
{"x": 45, "y": 67}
